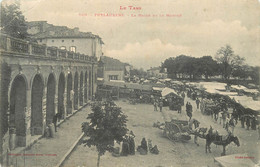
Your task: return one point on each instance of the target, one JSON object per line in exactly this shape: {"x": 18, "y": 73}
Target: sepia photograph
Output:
{"x": 130, "y": 83}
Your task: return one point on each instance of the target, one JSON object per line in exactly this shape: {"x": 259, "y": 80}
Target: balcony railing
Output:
{"x": 70, "y": 55}
{"x": 62, "y": 53}
{"x": 52, "y": 52}
{"x": 3, "y": 42}
{"x": 38, "y": 49}
{"x": 10, "y": 44}
{"x": 19, "y": 46}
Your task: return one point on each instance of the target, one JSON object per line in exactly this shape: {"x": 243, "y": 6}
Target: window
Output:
{"x": 113, "y": 77}
{"x": 63, "y": 47}
{"x": 73, "y": 49}
{"x": 62, "y": 40}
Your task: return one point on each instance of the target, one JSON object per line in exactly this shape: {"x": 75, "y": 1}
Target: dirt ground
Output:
{"x": 140, "y": 120}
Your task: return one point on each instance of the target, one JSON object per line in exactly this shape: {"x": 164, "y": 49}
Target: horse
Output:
{"x": 219, "y": 140}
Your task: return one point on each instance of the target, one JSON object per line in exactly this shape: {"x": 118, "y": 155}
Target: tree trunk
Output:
{"x": 98, "y": 160}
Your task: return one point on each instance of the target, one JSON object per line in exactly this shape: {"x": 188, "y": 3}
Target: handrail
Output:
{"x": 15, "y": 45}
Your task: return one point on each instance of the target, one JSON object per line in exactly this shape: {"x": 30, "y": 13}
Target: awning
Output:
{"x": 238, "y": 87}
{"x": 166, "y": 91}
{"x": 235, "y": 160}
{"x": 167, "y": 79}
{"x": 158, "y": 88}
{"x": 248, "y": 102}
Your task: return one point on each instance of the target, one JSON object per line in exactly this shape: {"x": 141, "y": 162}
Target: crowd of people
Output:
{"x": 158, "y": 103}
{"x": 128, "y": 146}
{"x": 221, "y": 113}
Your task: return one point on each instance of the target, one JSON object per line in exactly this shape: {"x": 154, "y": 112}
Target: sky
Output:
{"x": 192, "y": 27}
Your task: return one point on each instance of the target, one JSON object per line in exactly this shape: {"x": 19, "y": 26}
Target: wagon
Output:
{"x": 177, "y": 130}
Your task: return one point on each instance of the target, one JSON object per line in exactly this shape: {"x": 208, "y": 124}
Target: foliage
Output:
{"x": 12, "y": 21}
{"x": 5, "y": 82}
{"x": 107, "y": 124}
{"x": 228, "y": 61}
{"x": 255, "y": 74}
{"x": 138, "y": 73}
{"x": 207, "y": 66}
{"x": 190, "y": 66}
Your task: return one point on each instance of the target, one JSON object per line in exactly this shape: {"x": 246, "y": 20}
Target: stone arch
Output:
{"x": 76, "y": 88}
{"x": 18, "y": 107}
{"x": 86, "y": 87}
{"x": 50, "y": 98}
{"x": 70, "y": 94}
{"x": 81, "y": 89}
{"x": 32, "y": 79}
{"x": 61, "y": 91}
{"x": 36, "y": 105}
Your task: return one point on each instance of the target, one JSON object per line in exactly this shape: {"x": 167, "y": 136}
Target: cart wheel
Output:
{"x": 170, "y": 131}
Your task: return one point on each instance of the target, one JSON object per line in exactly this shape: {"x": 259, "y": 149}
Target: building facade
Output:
{"x": 65, "y": 38}
{"x": 111, "y": 69}
{"x": 40, "y": 82}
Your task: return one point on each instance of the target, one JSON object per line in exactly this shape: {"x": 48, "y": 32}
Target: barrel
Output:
{"x": 12, "y": 138}
{"x": 52, "y": 130}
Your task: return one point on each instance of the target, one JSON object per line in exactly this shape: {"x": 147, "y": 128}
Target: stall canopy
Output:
{"x": 167, "y": 79}
{"x": 247, "y": 102}
{"x": 238, "y": 87}
{"x": 158, "y": 88}
{"x": 128, "y": 85}
{"x": 167, "y": 91}
{"x": 235, "y": 160}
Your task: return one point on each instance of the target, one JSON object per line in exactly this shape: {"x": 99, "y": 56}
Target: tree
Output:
{"x": 107, "y": 124}
{"x": 5, "y": 74}
{"x": 207, "y": 66}
{"x": 138, "y": 73}
{"x": 12, "y": 21}
{"x": 228, "y": 61}
{"x": 182, "y": 65}
{"x": 255, "y": 74}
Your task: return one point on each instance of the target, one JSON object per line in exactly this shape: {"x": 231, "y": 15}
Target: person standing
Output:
{"x": 242, "y": 119}
{"x": 227, "y": 124}
{"x": 258, "y": 131}
{"x": 144, "y": 145}
{"x": 187, "y": 106}
{"x": 179, "y": 108}
{"x": 189, "y": 110}
{"x": 247, "y": 123}
{"x": 125, "y": 147}
{"x": 131, "y": 143}
{"x": 232, "y": 124}
{"x": 198, "y": 103}
{"x": 224, "y": 117}
{"x": 160, "y": 105}
{"x": 183, "y": 95}
{"x": 155, "y": 105}
{"x": 220, "y": 117}
{"x": 56, "y": 117}
{"x": 253, "y": 123}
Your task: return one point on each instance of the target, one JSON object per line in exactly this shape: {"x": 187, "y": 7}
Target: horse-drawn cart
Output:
{"x": 177, "y": 130}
